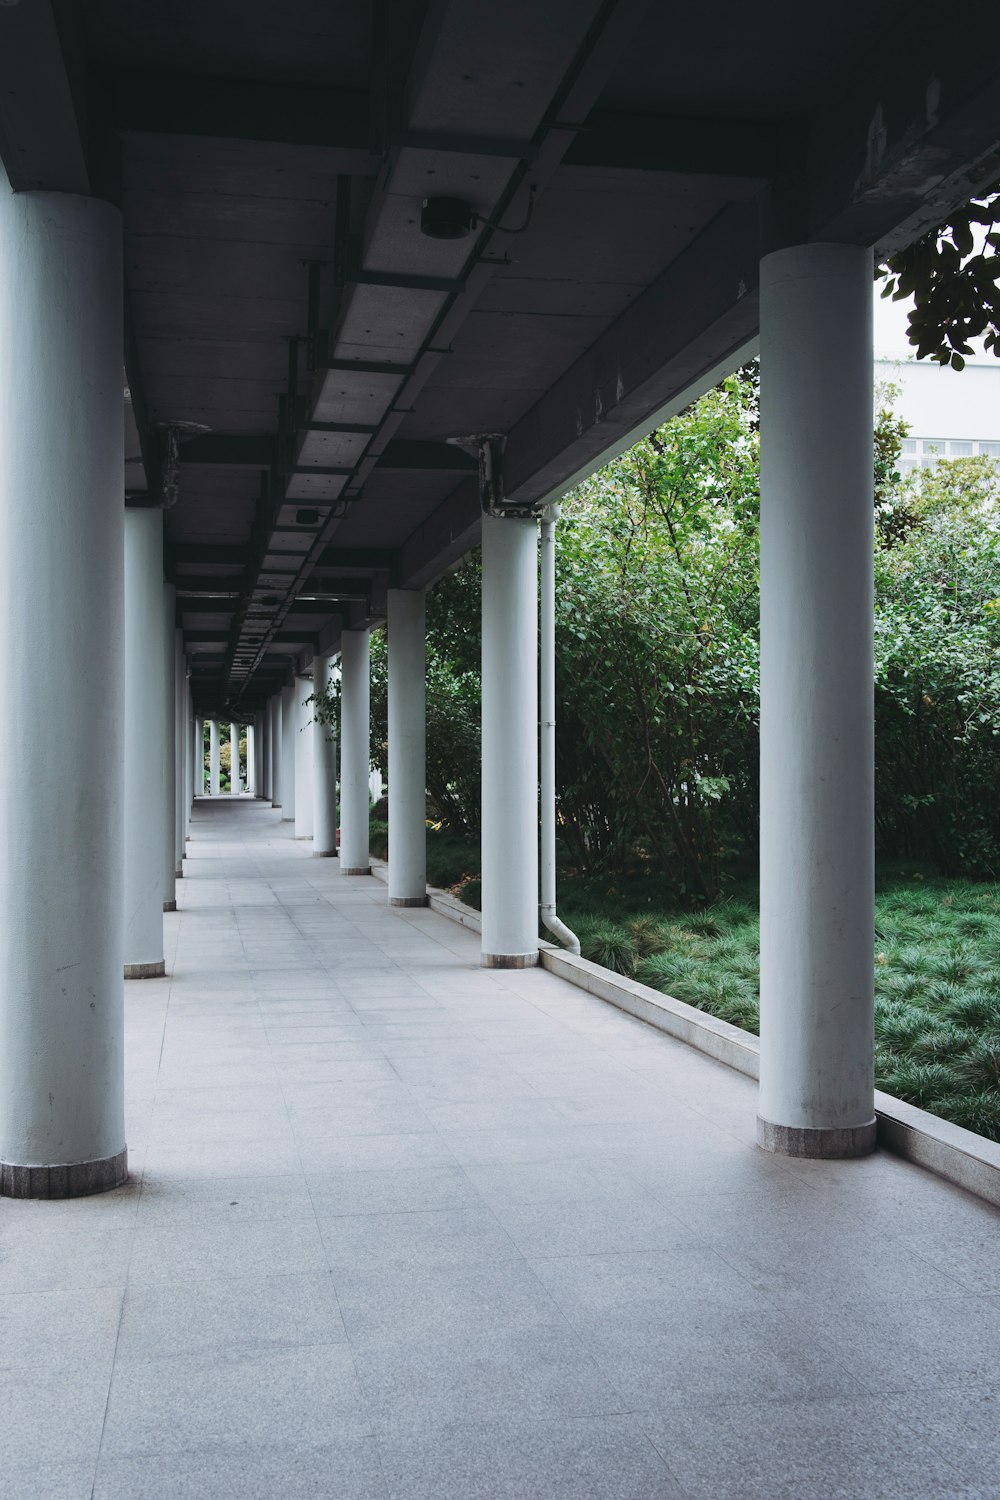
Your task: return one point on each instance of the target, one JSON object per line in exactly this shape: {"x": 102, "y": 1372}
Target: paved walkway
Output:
{"x": 401, "y": 1229}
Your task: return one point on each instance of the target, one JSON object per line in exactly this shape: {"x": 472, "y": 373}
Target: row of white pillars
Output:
{"x": 90, "y": 844}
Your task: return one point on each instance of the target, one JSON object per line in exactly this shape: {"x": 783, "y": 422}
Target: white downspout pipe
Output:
{"x": 547, "y": 675}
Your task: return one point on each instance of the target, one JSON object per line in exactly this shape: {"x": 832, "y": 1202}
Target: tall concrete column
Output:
{"x": 510, "y": 743}
{"x": 324, "y": 750}
{"x": 182, "y": 740}
{"x": 198, "y": 751}
{"x": 303, "y": 760}
{"x": 276, "y": 748}
{"x": 62, "y": 1126}
{"x": 253, "y": 756}
{"x": 170, "y": 762}
{"x": 214, "y": 769}
{"x": 817, "y": 739}
{"x": 144, "y": 744}
{"x": 355, "y": 751}
{"x": 407, "y": 749}
{"x": 289, "y": 730}
{"x": 234, "y": 760}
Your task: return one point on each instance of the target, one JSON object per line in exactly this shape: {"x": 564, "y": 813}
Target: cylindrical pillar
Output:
{"x": 289, "y": 731}
{"x": 510, "y": 743}
{"x": 407, "y": 749}
{"x": 277, "y": 738}
{"x": 253, "y": 756}
{"x": 62, "y": 1126}
{"x": 144, "y": 744}
{"x": 817, "y": 737}
{"x": 355, "y": 751}
{"x": 324, "y": 749}
{"x": 214, "y": 770}
{"x": 234, "y": 760}
{"x": 198, "y": 751}
{"x": 303, "y": 760}
{"x": 182, "y": 740}
{"x": 170, "y": 763}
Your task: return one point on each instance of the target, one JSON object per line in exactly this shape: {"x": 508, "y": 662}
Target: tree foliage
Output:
{"x": 951, "y": 273}
{"x": 657, "y": 655}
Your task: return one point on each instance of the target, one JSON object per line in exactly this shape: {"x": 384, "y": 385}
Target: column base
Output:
{"x": 275, "y": 806}
{"x": 409, "y": 900}
{"x": 74, "y": 1180}
{"x": 831, "y": 1142}
{"x": 179, "y": 873}
{"x": 347, "y": 870}
{"x": 325, "y": 853}
{"x": 510, "y": 960}
{"x": 170, "y": 905}
{"x": 155, "y": 970}
{"x": 301, "y": 838}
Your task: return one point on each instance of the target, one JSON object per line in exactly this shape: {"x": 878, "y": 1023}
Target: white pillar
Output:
{"x": 276, "y": 748}
{"x": 303, "y": 760}
{"x": 214, "y": 781}
{"x": 510, "y": 743}
{"x": 234, "y": 760}
{"x": 324, "y": 750}
{"x": 289, "y": 730}
{"x": 61, "y": 485}
{"x": 407, "y": 749}
{"x": 817, "y": 799}
{"x": 182, "y": 740}
{"x": 144, "y": 744}
{"x": 199, "y": 757}
{"x": 169, "y": 790}
{"x": 355, "y": 751}
{"x": 253, "y": 756}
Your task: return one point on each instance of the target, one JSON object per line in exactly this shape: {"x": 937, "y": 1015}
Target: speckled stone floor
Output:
{"x": 402, "y": 1229}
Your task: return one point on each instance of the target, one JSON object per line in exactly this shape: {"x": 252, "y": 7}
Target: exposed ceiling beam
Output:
{"x": 41, "y": 141}
{"x": 260, "y": 451}
{"x": 664, "y": 143}
{"x": 695, "y": 316}
{"x": 910, "y": 131}
{"x": 293, "y": 114}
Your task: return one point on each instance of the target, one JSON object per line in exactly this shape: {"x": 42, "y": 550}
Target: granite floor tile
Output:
{"x": 802, "y": 1450}
{"x": 588, "y": 1458}
{"x": 340, "y": 1470}
{"x": 240, "y": 1401}
{"x": 231, "y": 1317}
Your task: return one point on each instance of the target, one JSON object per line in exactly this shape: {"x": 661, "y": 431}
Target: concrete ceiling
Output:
{"x": 317, "y": 352}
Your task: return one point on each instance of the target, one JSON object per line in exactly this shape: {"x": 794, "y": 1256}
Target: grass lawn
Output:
{"x": 937, "y": 976}
{"x": 937, "y": 966}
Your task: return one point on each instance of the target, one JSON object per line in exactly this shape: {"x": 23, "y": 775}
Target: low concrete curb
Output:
{"x": 959, "y": 1156}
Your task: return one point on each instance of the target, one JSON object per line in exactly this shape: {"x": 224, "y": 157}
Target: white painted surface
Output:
{"x": 145, "y": 737}
{"x": 276, "y": 749}
{"x": 547, "y": 729}
{"x": 169, "y": 784}
{"x": 817, "y": 819}
{"x": 407, "y": 746}
{"x": 355, "y": 749}
{"x": 324, "y": 752}
{"x": 214, "y": 782}
{"x": 61, "y": 485}
{"x": 182, "y": 741}
{"x": 303, "y": 760}
{"x": 289, "y": 730}
{"x": 510, "y": 739}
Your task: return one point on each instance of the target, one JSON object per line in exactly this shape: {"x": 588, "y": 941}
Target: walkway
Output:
{"x": 403, "y": 1228}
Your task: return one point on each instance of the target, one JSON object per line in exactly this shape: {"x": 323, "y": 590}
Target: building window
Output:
{"x": 959, "y": 450}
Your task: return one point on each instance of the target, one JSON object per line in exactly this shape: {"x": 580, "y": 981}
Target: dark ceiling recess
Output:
{"x": 355, "y": 232}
